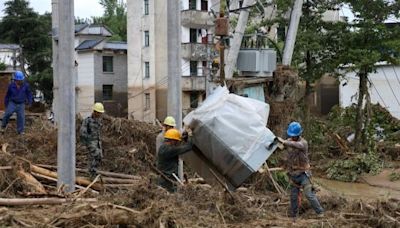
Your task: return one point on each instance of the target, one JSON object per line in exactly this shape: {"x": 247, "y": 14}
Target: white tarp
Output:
{"x": 240, "y": 123}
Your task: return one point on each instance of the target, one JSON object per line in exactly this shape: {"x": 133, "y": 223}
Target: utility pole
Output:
{"x": 222, "y": 30}
{"x": 174, "y": 67}
{"x": 55, "y": 33}
{"x": 237, "y": 38}
{"x": 292, "y": 32}
{"x": 66, "y": 106}
{"x": 208, "y": 77}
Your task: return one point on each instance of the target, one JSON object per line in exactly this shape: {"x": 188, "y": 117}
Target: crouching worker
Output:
{"x": 90, "y": 135}
{"x": 168, "y": 157}
{"x": 298, "y": 166}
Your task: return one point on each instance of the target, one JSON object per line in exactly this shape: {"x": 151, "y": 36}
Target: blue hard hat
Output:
{"x": 18, "y": 75}
{"x": 294, "y": 129}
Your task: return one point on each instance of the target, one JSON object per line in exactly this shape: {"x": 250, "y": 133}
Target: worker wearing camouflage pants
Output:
{"x": 90, "y": 135}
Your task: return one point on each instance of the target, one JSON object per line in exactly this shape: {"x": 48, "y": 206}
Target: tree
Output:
{"x": 316, "y": 46}
{"x": 21, "y": 25}
{"x": 115, "y": 18}
{"x": 366, "y": 41}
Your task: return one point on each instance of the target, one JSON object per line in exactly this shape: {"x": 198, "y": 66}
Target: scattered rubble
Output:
{"x": 128, "y": 148}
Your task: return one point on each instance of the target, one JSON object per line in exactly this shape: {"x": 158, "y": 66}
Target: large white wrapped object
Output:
{"x": 239, "y": 123}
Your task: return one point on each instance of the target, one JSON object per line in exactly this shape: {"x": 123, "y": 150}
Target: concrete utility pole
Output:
{"x": 208, "y": 78}
{"x": 66, "y": 106}
{"x": 174, "y": 67}
{"x": 237, "y": 39}
{"x": 222, "y": 25}
{"x": 54, "y": 22}
{"x": 292, "y": 32}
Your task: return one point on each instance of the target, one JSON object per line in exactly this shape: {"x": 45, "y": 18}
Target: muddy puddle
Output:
{"x": 357, "y": 190}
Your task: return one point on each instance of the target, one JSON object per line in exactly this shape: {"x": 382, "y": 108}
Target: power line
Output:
{"x": 390, "y": 86}
{"x": 377, "y": 92}
{"x": 395, "y": 73}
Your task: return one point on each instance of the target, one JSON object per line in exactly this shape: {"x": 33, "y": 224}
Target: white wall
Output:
{"x": 85, "y": 83}
{"x": 384, "y": 90}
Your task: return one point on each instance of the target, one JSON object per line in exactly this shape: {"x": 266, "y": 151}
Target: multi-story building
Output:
{"x": 147, "y": 58}
{"x": 101, "y": 69}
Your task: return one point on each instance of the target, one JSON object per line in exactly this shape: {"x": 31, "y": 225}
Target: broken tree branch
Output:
{"x": 41, "y": 201}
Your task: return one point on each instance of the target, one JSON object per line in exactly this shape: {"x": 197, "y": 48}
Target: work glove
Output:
{"x": 281, "y": 140}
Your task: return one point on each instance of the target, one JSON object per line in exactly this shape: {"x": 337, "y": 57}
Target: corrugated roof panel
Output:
{"x": 88, "y": 44}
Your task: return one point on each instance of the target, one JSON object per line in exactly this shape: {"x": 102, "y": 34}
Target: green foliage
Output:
{"x": 43, "y": 82}
{"x": 115, "y": 18}
{"x": 3, "y": 66}
{"x": 21, "y": 25}
{"x": 350, "y": 169}
{"x": 394, "y": 176}
{"x": 282, "y": 179}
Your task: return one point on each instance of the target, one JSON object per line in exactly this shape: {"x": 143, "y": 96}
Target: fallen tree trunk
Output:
{"x": 41, "y": 201}
{"x": 79, "y": 180}
{"x": 55, "y": 180}
{"x": 103, "y": 173}
{"x": 32, "y": 185}
{"x": 110, "y": 180}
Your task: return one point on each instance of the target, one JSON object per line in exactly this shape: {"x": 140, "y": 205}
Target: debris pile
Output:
{"x": 129, "y": 149}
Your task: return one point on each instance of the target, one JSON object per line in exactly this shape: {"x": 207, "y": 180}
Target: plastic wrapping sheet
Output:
{"x": 231, "y": 132}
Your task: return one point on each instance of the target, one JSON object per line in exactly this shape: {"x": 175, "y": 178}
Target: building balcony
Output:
{"x": 197, "y": 51}
{"x": 193, "y": 83}
{"x": 196, "y": 19}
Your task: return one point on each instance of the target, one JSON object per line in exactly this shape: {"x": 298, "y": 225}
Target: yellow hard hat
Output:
{"x": 173, "y": 134}
{"x": 170, "y": 121}
{"x": 98, "y": 107}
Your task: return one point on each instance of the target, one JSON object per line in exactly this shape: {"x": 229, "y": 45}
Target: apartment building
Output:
{"x": 147, "y": 58}
{"x": 101, "y": 70}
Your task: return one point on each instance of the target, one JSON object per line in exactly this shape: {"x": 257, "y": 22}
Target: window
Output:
{"x": 146, "y": 38}
{"x": 193, "y": 36}
{"x": 107, "y": 92}
{"x": 146, "y": 101}
{"x": 240, "y": 4}
{"x": 193, "y": 68}
{"x": 194, "y": 99}
{"x": 146, "y": 7}
{"x": 192, "y": 4}
{"x": 204, "y": 5}
{"x": 146, "y": 69}
{"x": 108, "y": 64}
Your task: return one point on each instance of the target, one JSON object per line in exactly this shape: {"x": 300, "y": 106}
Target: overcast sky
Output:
{"x": 83, "y": 8}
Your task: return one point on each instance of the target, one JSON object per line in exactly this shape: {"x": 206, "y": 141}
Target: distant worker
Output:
{"x": 90, "y": 135}
{"x": 17, "y": 95}
{"x": 298, "y": 167}
{"x": 168, "y": 157}
{"x": 169, "y": 123}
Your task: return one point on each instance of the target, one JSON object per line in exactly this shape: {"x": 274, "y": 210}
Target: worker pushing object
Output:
{"x": 298, "y": 167}
{"x": 168, "y": 157}
{"x": 17, "y": 95}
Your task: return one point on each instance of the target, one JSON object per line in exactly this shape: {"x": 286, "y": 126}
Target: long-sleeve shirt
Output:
{"x": 18, "y": 95}
{"x": 159, "y": 141}
{"x": 297, "y": 160}
{"x": 168, "y": 157}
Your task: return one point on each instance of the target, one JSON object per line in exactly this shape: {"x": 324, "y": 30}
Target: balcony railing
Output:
{"x": 198, "y": 51}
{"x": 193, "y": 83}
{"x": 197, "y": 19}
